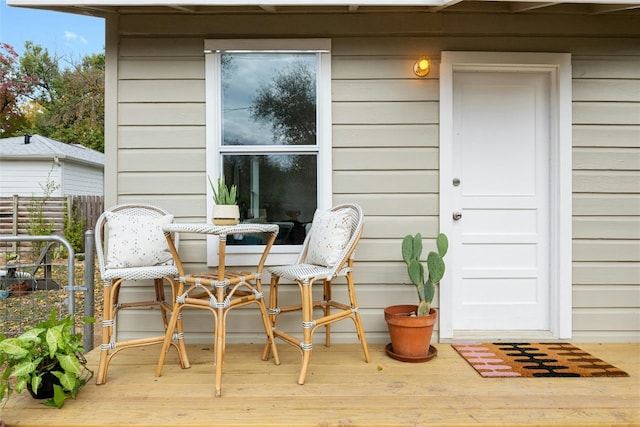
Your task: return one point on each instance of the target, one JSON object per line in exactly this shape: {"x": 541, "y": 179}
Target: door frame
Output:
{"x": 558, "y": 65}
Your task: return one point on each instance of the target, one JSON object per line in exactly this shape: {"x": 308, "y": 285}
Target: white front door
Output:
{"x": 496, "y": 204}
{"x": 501, "y": 192}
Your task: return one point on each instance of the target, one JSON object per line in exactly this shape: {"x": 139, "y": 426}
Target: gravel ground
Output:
{"x": 18, "y": 313}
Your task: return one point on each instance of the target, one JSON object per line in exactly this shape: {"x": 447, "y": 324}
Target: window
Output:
{"x": 268, "y": 116}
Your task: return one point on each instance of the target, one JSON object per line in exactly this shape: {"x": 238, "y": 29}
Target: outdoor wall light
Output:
{"x": 422, "y": 66}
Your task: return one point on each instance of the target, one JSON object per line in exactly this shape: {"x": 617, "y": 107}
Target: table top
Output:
{"x": 220, "y": 230}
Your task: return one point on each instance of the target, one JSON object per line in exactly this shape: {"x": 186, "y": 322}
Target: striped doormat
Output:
{"x": 523, "y": 359}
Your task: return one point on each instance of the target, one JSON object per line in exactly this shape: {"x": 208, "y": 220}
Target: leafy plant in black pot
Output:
{"x": 47, "y": 360}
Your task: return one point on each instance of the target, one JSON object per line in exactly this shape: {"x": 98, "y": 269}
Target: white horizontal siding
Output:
{"x": 161, "y": 137}
{"x": 613, "y": 204}
{"x": 162, "y": 68}
{"x": 378, "y": 135}
{"x": 163, "y": 114}
{"x": 599, "y": 67}
{"x": 81, "y": 179}
{"x": 606, "y": 227}
{"x": 161, "y": 91}
{"x": 385, "y": 137}
{"x": 165, "y": 160}
{"x": 602, "y": 135}
{"x": 606, "y": 208}
{"x": 421, "y": 159}
{"x": 29, "y": 178}
{"x": 400, "y": 90}
{"x": 605, "y": 273}
{"x": 384, "y": 182}
{"x": 615, "y": 113}
{"x": 613, "y": 90}
{"x": 606, "y": 181}
{"x": 602, "y": 158}
{"x": 385, "y": 113}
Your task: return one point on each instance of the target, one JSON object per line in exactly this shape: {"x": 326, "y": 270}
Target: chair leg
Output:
{"x": 363, "y": 340}
{"x": 175, "y": 316}
{"x": 110, "y": 293}
{"x": 180, "y": 346}
{"x": 326, "y": 288}
{"x": 309, "y": 324}
{"x": 270, "y": 346}
{"x": 108, "y": 347}
{"x": 220, "y": 319}
{"x": 358, "y": 320}
{"x": 178, "y": 328}
{"x": 307, "y": 328}
{"x": 159, "y": 288}
{"x": 273, "y": 305}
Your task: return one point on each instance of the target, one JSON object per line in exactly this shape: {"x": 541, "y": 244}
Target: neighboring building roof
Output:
{"x": 40, "y": 147}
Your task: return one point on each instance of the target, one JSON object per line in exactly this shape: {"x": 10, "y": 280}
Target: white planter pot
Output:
{"x": 225, "y": 214}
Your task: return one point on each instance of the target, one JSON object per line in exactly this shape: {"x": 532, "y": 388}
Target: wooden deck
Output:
{"x": 340, "y": 390}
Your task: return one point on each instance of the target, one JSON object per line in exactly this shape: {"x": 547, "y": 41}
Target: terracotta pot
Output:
{"x": 19, "y": 289}
{"x": 225, "y": 214}
{"x": 410, "y": 335}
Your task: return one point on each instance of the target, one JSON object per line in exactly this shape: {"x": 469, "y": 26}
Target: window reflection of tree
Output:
{"x": 288, "y": 104}
{"x": 283, "y": 186}
{"x": 228, "y": 66}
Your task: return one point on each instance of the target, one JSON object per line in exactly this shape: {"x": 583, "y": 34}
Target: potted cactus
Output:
{"x": 411, "y": 326}
{"x": 225, "y": 210}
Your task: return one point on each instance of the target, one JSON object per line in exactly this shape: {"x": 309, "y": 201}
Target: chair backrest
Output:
{"x": 102, "y": 226}
{"x": 356, "y": 219}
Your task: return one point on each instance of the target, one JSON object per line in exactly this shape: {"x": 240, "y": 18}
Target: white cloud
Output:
{"x": 70, "y": 36}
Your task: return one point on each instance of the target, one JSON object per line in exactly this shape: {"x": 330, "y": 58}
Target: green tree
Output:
{"x": 39, "y": 96}
{"x": 44, "y": 70}
{"x": 77, "y": 113}
{"x": 71, "y": 100}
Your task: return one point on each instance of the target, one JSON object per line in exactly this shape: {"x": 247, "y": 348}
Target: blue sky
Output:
{"x": 65, "y": 35}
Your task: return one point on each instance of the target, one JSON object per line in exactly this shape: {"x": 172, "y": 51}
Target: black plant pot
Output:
{"x": 46, "y": 387}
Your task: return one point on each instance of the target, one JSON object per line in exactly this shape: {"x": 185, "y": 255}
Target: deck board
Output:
{"x": 341, "y": 389}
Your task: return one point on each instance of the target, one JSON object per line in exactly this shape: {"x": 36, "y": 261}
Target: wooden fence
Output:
{"x": 16, "y": 212}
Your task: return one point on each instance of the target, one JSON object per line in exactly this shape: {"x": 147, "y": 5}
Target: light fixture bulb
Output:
{"x": 421, "y": 67}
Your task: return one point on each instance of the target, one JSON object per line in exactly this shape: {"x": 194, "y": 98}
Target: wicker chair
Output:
{"x": 130, "y": 246}
{"x": 342, "y": 227}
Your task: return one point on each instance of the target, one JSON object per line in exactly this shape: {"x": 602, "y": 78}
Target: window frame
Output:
{"x": 250, "y": 254}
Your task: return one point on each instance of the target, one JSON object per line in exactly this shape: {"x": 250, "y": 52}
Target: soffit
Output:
{"x": 106, "y": 7}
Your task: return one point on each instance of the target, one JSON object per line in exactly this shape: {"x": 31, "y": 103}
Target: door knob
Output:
{"x": 457, "y": 216}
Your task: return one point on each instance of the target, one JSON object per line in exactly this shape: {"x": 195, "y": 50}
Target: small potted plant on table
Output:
{"x": 411, "y": 326}
{"x": 47, "y": 360}
{"x": 225, "y": 210}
